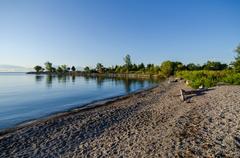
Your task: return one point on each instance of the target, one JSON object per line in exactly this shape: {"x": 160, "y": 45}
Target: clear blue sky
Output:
{"x": 80, "y": 33}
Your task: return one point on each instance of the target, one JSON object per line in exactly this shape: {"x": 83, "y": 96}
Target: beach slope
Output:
{"x": 153, "y": 123}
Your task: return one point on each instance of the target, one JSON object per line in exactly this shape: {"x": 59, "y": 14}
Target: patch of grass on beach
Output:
{"x": 208, "y": 78}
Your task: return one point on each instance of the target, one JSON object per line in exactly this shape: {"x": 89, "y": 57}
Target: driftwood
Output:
{"x": 171, "y": 80}
{"x": 183, "y": 93}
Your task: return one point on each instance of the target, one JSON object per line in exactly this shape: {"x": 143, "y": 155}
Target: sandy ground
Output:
{"x": 153, "y": 123}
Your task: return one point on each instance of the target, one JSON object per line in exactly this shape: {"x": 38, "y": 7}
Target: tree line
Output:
{"x": 50, "y": 69}
{"x": 166, "y": 68}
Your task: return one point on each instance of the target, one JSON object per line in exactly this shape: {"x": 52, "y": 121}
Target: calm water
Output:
{"x": 25, "y": 97}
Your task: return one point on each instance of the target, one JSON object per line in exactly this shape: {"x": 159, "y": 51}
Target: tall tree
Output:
{"x": 237, "y": 59}
{"x": 38, "y": 68}
{"x": 73, "y": 68}
{"x": 64, "y": 68}
{"x": 68, "y": 69}
{"x": 100, "y": 68}
{"x": 141, "y": 67}
{"x": 238, "y": 52}
{"x": 59, "y": 70}
{"x": 128, "y": 62}
{"x": 48, "y": 66}
{"x": 87, "y": 69}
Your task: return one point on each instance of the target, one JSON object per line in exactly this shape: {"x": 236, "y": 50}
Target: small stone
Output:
{"x": 237, "y": 141}
{"x": 34, "y": 146}
{"x": 210, "y": 120}
{"x": 219, "y": 138}
{"x": 220, "y": 154}
{"x": 222, "y": 115}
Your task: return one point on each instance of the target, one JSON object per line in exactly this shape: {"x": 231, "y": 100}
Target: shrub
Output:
{"x": 232, "y": 79}
{"x": 209, "y": 78}
{"x": 167, "y": 68}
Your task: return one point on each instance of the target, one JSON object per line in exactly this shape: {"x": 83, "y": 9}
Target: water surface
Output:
{"x": 25, "y": 97}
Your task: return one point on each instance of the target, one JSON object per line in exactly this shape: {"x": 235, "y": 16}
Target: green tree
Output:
{"x": 134, "y": 67}
{"x": 237, "y": 50}
{"x": 141, "y": 67}
{"x": 54, "y": 70}
{"x": 178, "y": 66}
{"x": 38, "y": 68}
{"x": 48, "y": 66}
{"x": 149, "y": 66}
{"x": 117, "y": 69}
{"x": 193, "y": 66}
{"x": 100, "y": 68}
{"x": 167, "y": 68}
{"x": 128, "y": 62}
{"x": 156, "y": 69}
{"x": 64, "y": 68}
{"x": 214, "y": 65}
{"x": 59, "y": 70}
{"x": 73, "y": 68}
{"x": 236, "y": 64}
{"x": 87, "y": 69}
{"x": 68, "y": 69}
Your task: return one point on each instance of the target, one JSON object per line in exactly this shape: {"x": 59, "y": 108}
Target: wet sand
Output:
{"x": 153, "y": 123}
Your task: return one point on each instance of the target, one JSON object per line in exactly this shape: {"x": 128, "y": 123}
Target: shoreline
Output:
{"x": 73, "y": 110}
{"x": 153, "y": 123}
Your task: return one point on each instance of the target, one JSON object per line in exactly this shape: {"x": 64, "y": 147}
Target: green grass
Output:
{"x": 209, "y": 78}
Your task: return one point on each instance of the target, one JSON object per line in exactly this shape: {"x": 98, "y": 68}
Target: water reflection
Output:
{"x": 73, "y": 78}
{"x": 24, "y": 97}
{"x": 128, "y": 83}
{"x": 39, "y": 78}
{"x": 49, "y": 79}
{"x": 86, "y": 78}
{"x": 100, "y": 80}
{"x": 62, "y": 78}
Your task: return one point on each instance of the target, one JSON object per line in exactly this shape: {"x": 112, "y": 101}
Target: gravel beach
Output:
{"x": 153, "y": 123}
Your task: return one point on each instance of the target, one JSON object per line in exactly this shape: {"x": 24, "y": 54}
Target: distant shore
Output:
{"x": 152, "y": 123}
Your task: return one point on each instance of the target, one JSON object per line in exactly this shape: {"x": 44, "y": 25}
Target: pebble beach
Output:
{"x": 152, "y": 123}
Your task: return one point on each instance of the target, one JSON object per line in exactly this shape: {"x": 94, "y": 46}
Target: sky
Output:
{"x": 84, "y": 32}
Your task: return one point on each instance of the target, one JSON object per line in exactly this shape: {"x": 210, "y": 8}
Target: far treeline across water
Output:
{"x": 209, "y": 74}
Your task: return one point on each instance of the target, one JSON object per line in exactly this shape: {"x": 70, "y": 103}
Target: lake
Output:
{"x": 26, "y": 97}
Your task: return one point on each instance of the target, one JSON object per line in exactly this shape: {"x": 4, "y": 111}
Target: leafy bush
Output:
{"x": 232, "y": 79}
{"x": 167, "y": 68}
{"x": 209, "y": 78}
